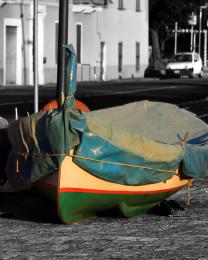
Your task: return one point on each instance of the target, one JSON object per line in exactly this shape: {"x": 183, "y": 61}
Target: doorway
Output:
{"x": 12, "y": 52}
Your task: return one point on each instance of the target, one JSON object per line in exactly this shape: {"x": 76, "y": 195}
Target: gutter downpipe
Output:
{"x": 23, "y": 43}
{"x": 99, "y": 37}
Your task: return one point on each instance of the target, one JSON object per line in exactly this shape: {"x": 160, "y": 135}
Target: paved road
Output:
{"x": 29, "y": 228}
{"x": 190, "y": 94}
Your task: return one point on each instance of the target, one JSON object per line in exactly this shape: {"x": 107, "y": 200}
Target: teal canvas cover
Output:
{"x": 139, "y": 143}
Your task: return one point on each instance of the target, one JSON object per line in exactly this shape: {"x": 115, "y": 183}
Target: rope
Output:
{"x": 101, "y": 161}
{"x": 124, "y": 164}
{"x": 184, "y": 140}
{"x": 68, "y": 97}
{"x": 17, "y": 166}
{"x": 185, "y": 137}
{"x": 189, "y": 194}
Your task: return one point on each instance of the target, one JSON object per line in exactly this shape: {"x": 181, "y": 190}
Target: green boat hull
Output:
{"x": 76, "y": 206}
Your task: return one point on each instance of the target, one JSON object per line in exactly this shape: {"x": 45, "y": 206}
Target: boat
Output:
{"x": 80, "y": 195}
{"x": 131, "y": 157}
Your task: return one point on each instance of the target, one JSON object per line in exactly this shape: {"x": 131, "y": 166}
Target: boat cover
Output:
{"x": 135, "y": 144}
{"x": 3, "y": 123}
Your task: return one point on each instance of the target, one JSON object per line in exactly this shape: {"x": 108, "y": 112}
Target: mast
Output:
{"x": 35, "y": 53}
{"x": 62, "y": 40}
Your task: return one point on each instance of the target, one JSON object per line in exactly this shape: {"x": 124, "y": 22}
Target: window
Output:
{"x": 56, "y": 41}
{"x": 120, "y": 5}
{"x": 79, "y": 42}
{"x": 138, "y": 7}
{"x": 120, "y": 56}
{"x": 137, "y": 56}
{"x": 105, "y": 4}
{"x": 11, "y": 54}
{"x": 196, "y": 57}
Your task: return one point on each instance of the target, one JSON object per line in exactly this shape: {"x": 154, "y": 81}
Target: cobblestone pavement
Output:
{"x": 29, "y": 229}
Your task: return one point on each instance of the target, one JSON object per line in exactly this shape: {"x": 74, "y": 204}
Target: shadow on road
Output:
{"x": 27, "y": 205}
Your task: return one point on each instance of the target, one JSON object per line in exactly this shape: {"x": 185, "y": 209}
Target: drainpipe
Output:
{"x": 99, "y": 37}
{"x": 176, "y": 37}
{"x": 23, "y": 43}
{"x": 62, "y": 39}
{"x": 205, "y": 49}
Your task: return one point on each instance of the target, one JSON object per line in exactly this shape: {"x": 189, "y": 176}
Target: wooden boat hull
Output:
{"x": 79, "y": 195}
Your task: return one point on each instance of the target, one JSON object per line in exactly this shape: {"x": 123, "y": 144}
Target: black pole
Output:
{"x": 35, "y": 54}
{"x": 62, "y": 39}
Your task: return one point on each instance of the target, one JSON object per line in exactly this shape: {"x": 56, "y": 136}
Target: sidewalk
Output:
{"x": 84, "y": 83}
{"x": 102, "y": 83}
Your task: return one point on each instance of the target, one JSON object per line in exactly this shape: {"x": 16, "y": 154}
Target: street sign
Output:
{"x": 192, "y": 20}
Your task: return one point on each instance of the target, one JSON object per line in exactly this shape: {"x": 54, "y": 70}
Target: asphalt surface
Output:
{"x": 191, "y": 94}
{"x": 30, "y": 228}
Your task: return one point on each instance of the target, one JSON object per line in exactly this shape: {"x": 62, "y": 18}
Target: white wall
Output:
{"x": 110, "y": 26}
{"x": 127, "y": 26}
{"x": 10, "y": 15}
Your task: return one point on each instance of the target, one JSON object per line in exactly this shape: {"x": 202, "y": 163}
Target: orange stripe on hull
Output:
{"x": 120, "y": 192}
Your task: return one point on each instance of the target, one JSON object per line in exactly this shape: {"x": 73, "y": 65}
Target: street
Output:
{"x": 190, "y": 94}
{"x": 30, "y": 229}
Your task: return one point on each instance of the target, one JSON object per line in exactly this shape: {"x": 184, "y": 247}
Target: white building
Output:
{"x": 110, "y": 38}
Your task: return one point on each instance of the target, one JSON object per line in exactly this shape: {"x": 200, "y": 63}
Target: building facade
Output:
{"x": 109, "y": 37}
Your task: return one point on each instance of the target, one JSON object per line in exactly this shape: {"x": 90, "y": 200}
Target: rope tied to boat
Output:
{"x": 189, "y": 193}
{"x": 68, "y": 97}
{"x": 185, "y": 140}
{"x": 25, "y": 155}
{"x": 72, "y": 155}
